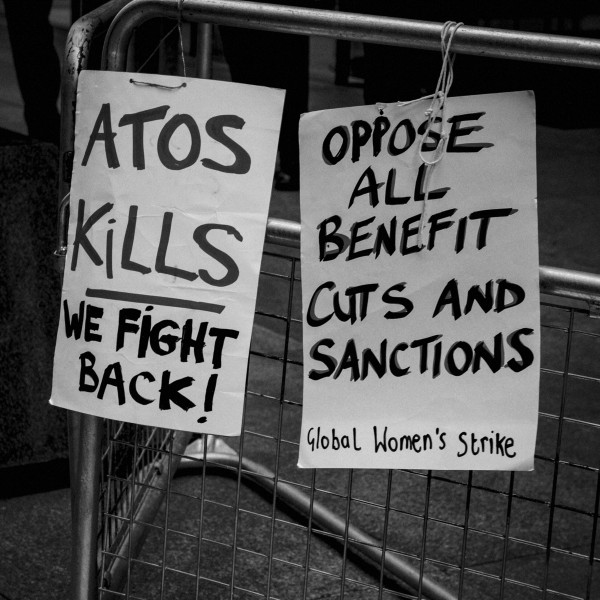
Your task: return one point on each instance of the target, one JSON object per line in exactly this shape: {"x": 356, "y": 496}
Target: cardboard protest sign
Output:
{"x": 168, "y": 208}
{"x": 421, "y": 319}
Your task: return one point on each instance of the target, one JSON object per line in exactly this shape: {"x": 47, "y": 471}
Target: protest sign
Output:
{"x": 168, "y": 208}
{"x": 420, "y": 286}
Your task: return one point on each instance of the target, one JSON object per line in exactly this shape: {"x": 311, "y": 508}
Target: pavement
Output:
{"x": 35, "y": 499}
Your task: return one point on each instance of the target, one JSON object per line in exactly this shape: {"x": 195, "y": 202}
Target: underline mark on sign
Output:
{"x": 160, "y": 300}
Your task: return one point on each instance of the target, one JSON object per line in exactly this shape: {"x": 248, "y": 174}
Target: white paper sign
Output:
{"x": 168, "y": 208}
{"x": 421, "y": 346}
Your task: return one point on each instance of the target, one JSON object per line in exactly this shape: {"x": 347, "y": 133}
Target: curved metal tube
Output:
{"x": 517, "y": 45}
{"x": 565, "y": 283}
{"x": 63, "y": 229}
{"x": 77, "y": 51}
{"x": 219, "y": 454}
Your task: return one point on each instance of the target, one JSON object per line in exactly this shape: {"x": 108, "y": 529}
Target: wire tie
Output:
{"x": 158, "y": 85}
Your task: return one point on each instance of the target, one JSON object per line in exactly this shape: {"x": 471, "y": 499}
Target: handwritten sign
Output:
{"x": 168, "y": 208}
{"x": 421, "y": 319}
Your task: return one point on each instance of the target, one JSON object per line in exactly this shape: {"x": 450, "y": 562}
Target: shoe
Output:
{"x": 286, "y": 183}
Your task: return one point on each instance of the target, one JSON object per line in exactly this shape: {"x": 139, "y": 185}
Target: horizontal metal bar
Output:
{"x": 565, "y": 283}
{"x": 574, "y": 285}
{"x": 480, "y": 41}
{"x": 283, "y": 233}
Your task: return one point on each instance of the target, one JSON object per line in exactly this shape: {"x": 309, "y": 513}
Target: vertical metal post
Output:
{"x": 77, "y": 51}
{"x": 84, "y": 585}
{"x": 75, "y": 60}
{"x": 74, "y": 435}
{"x": 204, "y": 51}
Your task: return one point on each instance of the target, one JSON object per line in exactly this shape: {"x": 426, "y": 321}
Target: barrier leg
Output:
{"x": 86, "y": 487}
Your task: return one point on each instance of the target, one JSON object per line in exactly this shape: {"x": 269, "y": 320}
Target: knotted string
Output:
{"x": 436, "y": 114}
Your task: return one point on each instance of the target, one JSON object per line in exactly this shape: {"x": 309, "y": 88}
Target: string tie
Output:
{"x": 436, "y": 116}
{"x": 179, "y": 19}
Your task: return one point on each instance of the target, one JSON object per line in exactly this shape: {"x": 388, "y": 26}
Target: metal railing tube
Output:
{"x": 77, "y": 51}
{"x": 283, "y": 233}
{"x": 84, "y": 584}
{"x": 574, "y": 285}
{"x": 565, "y": 283}
{"x": 84, "y": 489}
{"x": 480, "y": 41}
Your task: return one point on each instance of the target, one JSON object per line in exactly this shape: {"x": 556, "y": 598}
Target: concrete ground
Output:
{"x": 35, "y": 513}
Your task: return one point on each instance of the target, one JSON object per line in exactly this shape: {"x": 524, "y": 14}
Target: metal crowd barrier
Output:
{"x": 161, "y": 514}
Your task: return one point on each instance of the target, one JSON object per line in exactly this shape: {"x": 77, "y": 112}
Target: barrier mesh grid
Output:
{"x": 185, "y": 516}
